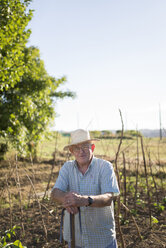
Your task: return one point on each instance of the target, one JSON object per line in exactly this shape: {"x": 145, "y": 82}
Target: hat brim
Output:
{"x": 73, "y": 144}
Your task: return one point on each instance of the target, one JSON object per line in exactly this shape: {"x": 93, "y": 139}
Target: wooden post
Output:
{"x": 72, "y": 226}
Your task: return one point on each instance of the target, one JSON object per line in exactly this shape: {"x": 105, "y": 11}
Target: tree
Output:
{"x": 27, "y": 92}
{"x": 95, "y": 133}
{"x": 129, "y": 133}
{"x": 106, "y": 133}
{"x": 14, "y": 18}
{"x": 28, "y": 108}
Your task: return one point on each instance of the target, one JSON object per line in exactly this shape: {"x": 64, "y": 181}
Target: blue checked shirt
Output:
{"x": 98, "y": 224}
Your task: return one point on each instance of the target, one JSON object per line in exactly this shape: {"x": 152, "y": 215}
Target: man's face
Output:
{"x": 82, "y": 153}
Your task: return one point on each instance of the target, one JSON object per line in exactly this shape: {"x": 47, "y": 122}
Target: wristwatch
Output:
{"x": 90, "y": 201}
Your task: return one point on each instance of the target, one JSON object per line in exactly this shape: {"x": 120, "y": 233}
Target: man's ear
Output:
{"x": 71, "y": 150}
{"x": 93, "y": 147}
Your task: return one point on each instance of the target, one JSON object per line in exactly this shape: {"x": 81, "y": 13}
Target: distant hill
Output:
{"x": 150, "y": 133}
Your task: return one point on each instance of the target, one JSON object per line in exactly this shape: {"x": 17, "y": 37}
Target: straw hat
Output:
{"x": 79, "y": 136}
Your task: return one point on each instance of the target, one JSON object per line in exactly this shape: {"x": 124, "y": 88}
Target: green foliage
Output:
{"x": 106, "y": 132}
{"x": 123, "y": 221}
{"x": 154, "y": 220}
{"x": 133, "y": 133}
{"x": 95, "y": 133}
{"x": 28, "y": 108}
{"x": 7, "y": 236}
{"x": 133, "y": 212}
{"x": 159, "y": 207}
{"x": 14, "y": 19}
{"x": 27, "y": 92}
{"x": 3, "y": 150}
{"x": 164, "y": 200}
{"x": 129, "y": 133}
{"x": 140, "y": 202}
{"x": 118, "y": 132}
{"x": 131, "y": 187}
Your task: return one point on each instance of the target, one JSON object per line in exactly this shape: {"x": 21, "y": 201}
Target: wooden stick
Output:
{"x": 118, "y": 198}
{"x": 10, "y": 204}
{"x": 20, "y": 194}
{"x": 155, "y": 185}
{"x": 136, "y": 183}
{"x": 147, "y": 183}
{"x": 40, "y": 210}
{"x": 72, "y": 226}
{"x": 128, "y": 210}
{"x": 124, "y": 184}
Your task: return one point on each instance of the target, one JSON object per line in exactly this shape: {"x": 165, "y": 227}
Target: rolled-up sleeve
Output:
{"x": 62, "y": 181}
{"x": 108, "y": 181}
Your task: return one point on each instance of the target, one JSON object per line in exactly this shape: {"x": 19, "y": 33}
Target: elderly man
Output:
{"x": 88, "y": 184}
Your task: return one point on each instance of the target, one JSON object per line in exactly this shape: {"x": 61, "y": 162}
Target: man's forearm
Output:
{"x": 58, "y": 195}
{"x": 73, "y": 199}
{"x": 102, "y": 200}
{"x": 77, "y": 200}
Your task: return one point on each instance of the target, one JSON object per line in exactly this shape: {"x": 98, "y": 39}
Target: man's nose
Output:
{"x": 81, "y": 149}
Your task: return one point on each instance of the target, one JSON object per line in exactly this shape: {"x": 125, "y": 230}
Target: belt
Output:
{"x": 61, "y": 224}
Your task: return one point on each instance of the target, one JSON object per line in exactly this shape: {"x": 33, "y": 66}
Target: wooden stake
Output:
{"x": 118, "y": 177}
{"x": 72, "y": 226}
{"x": 147, "y": 183}
{"x": 124, "y": 184}
{"x": 138, "y": 231}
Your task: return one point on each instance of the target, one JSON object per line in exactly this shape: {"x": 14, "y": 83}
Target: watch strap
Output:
{"x": 90, "y": 201}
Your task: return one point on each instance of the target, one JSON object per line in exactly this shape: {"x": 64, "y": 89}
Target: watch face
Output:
{"x": 90, "y": 200}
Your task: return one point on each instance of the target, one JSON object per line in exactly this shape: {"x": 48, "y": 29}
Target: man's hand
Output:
{"x": 63, "y": 198}
{"x": 73, "y": 199}
{"x": 72, "y": 210}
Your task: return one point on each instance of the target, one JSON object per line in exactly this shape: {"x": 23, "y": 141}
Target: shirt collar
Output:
{"x": 91, "y": 163}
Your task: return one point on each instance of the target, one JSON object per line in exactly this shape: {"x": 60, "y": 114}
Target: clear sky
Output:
{"x": 113, "y": 53}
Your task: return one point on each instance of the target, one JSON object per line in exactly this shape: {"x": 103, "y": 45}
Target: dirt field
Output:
{"x": 40, "y": 220}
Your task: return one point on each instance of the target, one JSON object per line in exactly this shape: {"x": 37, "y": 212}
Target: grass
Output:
{"x": 108, "y": 147}
{"x": 105, "y": 148}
